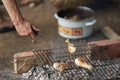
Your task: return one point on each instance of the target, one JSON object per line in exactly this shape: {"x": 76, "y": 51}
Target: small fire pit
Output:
{"x": 103, "y": 68}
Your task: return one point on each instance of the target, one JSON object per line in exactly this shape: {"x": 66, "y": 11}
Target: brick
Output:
{"x": 105, "y": 42}
{"x": 23, "y": 62}
{"x": 112, "y": 48}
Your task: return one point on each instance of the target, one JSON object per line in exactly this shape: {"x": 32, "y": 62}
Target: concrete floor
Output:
{"x": 43, "y": 17}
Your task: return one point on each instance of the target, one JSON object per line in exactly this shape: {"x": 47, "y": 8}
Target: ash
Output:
{"x": 45, "y": 72}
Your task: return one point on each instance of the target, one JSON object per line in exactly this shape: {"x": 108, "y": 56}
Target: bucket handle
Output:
{"x": 56, "y": 16}
{"x": 89, "y": 23}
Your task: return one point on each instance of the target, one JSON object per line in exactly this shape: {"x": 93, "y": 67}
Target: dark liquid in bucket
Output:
{"x": 80, "y": 13}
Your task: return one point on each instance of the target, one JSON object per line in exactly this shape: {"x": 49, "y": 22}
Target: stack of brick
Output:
{"x": 110, "y": 48}
{"x": 25, "y": 60}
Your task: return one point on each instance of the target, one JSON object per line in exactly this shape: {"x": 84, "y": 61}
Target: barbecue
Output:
{"x": 104, "y": 67}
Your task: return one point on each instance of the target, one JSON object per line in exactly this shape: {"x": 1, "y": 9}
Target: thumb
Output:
{"x": 34, "y": 32}
{"x": 36, "y": 29}
{"x": 33, "y": 35}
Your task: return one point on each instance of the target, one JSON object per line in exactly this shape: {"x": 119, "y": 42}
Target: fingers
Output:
{"x": 27, "y": 29}
{"x": 34, "y": 32}
{"x": 36, "y": 29}
{"x": 33, "y": 35}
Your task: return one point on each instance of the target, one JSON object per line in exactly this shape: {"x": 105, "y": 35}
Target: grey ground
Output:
{"x": 43, "y": 17}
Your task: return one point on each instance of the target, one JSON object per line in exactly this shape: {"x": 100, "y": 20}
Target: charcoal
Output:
{"x": 102, "y": 68}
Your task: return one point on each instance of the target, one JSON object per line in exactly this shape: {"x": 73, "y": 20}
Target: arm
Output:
{"x": 22, "y": 26}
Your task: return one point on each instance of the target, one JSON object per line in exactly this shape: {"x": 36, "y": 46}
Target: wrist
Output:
{"x": 17, "y": 22}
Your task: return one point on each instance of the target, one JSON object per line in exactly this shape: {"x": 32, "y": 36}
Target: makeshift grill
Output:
{"x": 104, "y": 67}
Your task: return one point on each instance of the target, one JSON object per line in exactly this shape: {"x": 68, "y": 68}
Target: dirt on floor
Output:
{"x": 43, "y": 17}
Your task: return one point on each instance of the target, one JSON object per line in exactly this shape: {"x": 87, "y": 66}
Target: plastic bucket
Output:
{"x": 75, "y": 29}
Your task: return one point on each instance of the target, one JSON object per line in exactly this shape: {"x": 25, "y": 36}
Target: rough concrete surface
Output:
{"x": 43, "y": 17}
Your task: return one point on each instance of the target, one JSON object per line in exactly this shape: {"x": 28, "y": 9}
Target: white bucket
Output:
{"x": 75, "y": 29}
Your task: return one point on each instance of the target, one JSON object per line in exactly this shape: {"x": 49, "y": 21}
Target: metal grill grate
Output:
{"x": 104, "y": 67}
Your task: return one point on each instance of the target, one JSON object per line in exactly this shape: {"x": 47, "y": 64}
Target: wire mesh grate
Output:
{"x": 104, "y": 67}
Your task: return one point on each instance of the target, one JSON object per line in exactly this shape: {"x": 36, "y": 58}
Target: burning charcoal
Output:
{"x": 103, "y": 68}
{"x": 42, "y": 76}
{"x": 26, "y": 75}
{"x": 29, "y": 73}
{"x": 54, "y": 75}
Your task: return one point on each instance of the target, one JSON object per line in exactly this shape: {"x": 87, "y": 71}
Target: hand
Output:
{"x": 24, "y": 28}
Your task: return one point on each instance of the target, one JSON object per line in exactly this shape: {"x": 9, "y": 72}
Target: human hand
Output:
{"x": 24, "y": 28}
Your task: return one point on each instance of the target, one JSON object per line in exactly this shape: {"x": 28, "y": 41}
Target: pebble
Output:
{"x": 31, "y": 5}
{"x": 33, "y": 41}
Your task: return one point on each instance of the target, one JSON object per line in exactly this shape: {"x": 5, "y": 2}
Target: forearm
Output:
{"x": 13, "y": 10}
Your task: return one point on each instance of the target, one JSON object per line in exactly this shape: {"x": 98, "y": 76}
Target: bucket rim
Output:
{"x": 92, "y": 13}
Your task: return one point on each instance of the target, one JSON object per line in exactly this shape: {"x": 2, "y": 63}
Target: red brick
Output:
{"x": 113, "y": 50}
{"x": 23, "y": 61}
